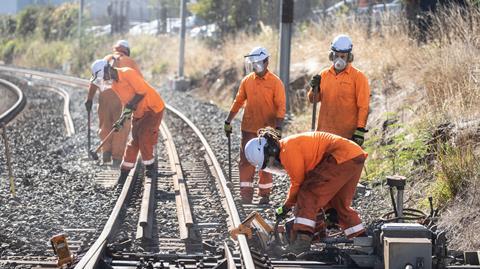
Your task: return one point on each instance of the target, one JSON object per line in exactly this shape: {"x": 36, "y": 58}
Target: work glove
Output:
{"x": 227, "y": 128}
{"x": 281, "y": 212}
{"x": 126, "y": 115}
{"x": 279, "y": 132}
{"x": 88, "y": 105}
{"x": 315, "y": 82}
{"x": 358, "y": 136}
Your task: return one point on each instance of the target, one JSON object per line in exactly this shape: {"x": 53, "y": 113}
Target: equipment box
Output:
{"x": 405, "y": 230}
{"x": 401, "y": 252}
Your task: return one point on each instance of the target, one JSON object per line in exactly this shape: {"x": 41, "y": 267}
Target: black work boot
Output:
{"x": 150, "y": 171}
{"x": 123, "y": 176}
{"x": 265, "y": 200}
{"x": 106, "y": 157}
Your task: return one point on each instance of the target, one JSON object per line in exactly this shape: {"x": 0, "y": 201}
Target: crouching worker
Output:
{"x": 324, "y": 169}
{"x": 140, "y": 100}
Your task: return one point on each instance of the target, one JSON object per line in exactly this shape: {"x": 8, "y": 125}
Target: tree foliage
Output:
{"x": 27, "y": 21}
{"x": 51, "y": 23}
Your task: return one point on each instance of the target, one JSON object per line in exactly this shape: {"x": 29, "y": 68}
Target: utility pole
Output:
{"x": 285, "y": 40}
{"x": 181, "y": 59}
{"x": 180, "y": 83}
{"x": 80, "y": 15}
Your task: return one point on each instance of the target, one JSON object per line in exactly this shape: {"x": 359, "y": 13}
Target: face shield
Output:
{"x": 275, "y": 167}
{"x": 254, "y": 66}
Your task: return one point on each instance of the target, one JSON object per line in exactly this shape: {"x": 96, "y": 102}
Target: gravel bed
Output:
{"x": 55, "y": 188}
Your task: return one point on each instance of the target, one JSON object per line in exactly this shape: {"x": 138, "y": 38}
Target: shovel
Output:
{"x": 314, "y": 112}
{"x": 229, "y": 183}
{"x": 93, "y": 153}
{"x": 88, "y": 133}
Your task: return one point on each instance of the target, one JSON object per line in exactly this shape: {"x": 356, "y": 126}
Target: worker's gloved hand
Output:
{"x": 227, "y": 127}
{"x": 358, "y": 136}
{"x": 281, "y": 212}
{"x": 127, "y": 113}
{"x": 315, "y": 82}
{"x": 279, "y": 132}
{"x": 88, "y": 105}
{"x": 118, "y": 124}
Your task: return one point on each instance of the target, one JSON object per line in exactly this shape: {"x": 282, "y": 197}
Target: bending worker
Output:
{"x": 110, "y": 108}
{"x": 264, "y": 95}
{"x": 344, "y": 94}
{"x": 140, "y": 100}
{"x": 324, "y": 169}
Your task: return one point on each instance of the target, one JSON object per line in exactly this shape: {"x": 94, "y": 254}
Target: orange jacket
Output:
{"x": 265, "y": 97}
{"x": 302, "y": 152}
{"x": 344, "y": 101}
{"x": 130, "y": 83}
{"x": 121, "y": 60}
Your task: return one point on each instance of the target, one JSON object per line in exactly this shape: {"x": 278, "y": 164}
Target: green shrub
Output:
{"x": 457, "y": 170}
{"x": 160, "y": 69}
{"x": 8, "y": 51}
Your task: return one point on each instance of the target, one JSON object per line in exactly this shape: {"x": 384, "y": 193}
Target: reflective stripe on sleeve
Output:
{"x": 354, "y": 229}
{"x": 265, "y": 186}
{"x": 304, "y": 221}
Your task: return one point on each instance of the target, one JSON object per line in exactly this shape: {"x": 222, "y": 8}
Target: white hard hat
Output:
{"x": 342, "y": 43}
{"x": 97, "y": 69}
{"x": 122, "y": 43}
{"x": 254, "y": 151}
{"x": 258, "y": 54}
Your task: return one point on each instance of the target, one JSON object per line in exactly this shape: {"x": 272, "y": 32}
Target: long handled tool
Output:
{"x": 93, "y": 153}
{"x": 314, "y": 112}
{"x": 316, "y": 91}
{"x": 88, "y": 133}
{"x": 229, "y": 158}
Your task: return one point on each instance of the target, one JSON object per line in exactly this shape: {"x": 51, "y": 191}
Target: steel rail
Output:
{"x": 19, "y": 105}
{"x": 184, "y": 212}
{"x": 221, "y": 180}
{"x": 57, "y": 77}
{"x": 95, "y": 252}
{"x": 70, "y": 128}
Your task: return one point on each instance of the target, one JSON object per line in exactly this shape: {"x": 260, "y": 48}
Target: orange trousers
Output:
{"x": 247, "y": 172}
{"x": 144, "y": 139}
{"x": 330, "y": 184}
{"x": 109, "y": 111}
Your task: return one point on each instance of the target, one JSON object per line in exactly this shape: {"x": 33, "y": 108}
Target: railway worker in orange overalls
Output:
{"x": 324, "y": 169}
{"x": 110, "y": 108}
{"x": 344, "y": 94}
{"x": 140, "y": 100}
{"x": 264, "y": 95}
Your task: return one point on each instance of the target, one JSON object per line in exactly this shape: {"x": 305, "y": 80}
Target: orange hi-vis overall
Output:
{"x": 344, "y": 100}
{"x": 146, "y": 118}
{"x": 264, "y": 100}
{"x": 324, "y": 169}
{"x": 110, "y": 109}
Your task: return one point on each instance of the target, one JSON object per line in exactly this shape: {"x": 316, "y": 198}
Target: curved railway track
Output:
{"x": 192, "y": 179}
